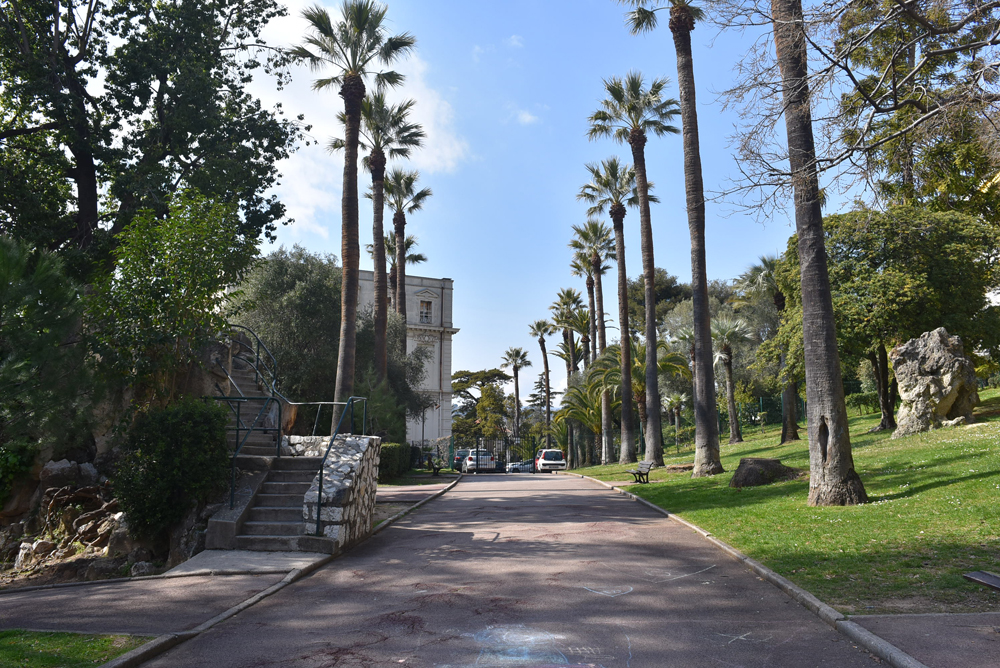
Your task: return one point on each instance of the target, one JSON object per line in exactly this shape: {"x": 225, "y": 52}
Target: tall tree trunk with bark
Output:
{"x": 376, "y": 162}
{"x": 789, "y": 409}
{"x": 707, "y": 460}
{"x": 654, "y": 449}
{"x": 607, "y": 439}
{"x": 832, "y": 478}
{"x": 735, "y": 435}
{"x": 880, "y": 365}
{"x": 548, "y": 393}
{"x": 399, "y": 226}
{"x": 590, "y": 356}
{"x": 353, "y": 91}
{"x": 517, "y": 405}
{"x": 627, "y": 453}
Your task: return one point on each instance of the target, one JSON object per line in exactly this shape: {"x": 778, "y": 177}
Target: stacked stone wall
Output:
{"x": 350, "y": 480}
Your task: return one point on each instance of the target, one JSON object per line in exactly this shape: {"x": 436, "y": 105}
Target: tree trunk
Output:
{"x": 399, "y": 226}
{"x": 832, "y": 478}
{"x": 548, "y": 395}
{"x": 392, "y": 286}
{"x": 84, "y": 173}
{"x": 376, "y": 162}
{"x": 607, "y": 439}
{"x": 706, "y": 412}
{"x": 735, "y": 434}
{"x": 627, "y": 454}
{"x": 677, "y": 429}
{"x": 789, "y": 412}
{"x": 654, "y": 451}
{"x": 353, "y": 91}
{"x": 517, "y": 406}
{"x": 880, "y": 365}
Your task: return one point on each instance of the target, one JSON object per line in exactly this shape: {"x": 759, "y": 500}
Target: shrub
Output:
{"x": 394, "y": 460}
{"x": 172, "y": 458}
{"x": 863, "y": 402}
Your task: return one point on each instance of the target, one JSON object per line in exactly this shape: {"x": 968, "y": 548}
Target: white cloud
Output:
{"x": 514, "y": 41}
{"x": 526, "y": 118}
{"x": 521, "y": 116}
{"x": 444, "y": 149}
{"x": 478, "y": 51}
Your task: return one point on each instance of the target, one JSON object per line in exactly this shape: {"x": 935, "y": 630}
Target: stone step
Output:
{"x": 278, "y": 500}
{"x": 259, "y": 450}
{"x": 287, "y": 514}
{"x": 291, "y": 476}
{"x": 298, "y": 463}
{"x": 286, "y": 544}
{"x": 254, "y": 528}
{"x": 270, "y": 487}
{"x": 246, "y": 462}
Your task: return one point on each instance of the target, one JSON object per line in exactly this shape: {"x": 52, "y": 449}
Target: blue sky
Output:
{"x": 504, "y": 91}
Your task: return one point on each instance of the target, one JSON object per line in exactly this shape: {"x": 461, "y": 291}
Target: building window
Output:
{"x": 425, "y": 313}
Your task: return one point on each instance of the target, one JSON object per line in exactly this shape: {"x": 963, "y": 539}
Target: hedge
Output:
{"x": 394, "y": 460}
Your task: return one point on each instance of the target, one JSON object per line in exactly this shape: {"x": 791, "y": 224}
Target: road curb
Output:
{"x": 881, "y": 648}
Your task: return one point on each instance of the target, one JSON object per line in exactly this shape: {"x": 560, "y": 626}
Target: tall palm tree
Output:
{"x": 412, "y": 257}
{"x": 354, "y": 47}
{"x": 595, "y": 242}
{"x": 385, "y": 133}
{"x": 404, "y": 198}
{"x": 580, "y": 266}
{"x": 611, "y": 189}
{"x": 540, "y": 329}
{"x": 516, "y": 359}
{"x": 832, "y": 478}
{"x": 568, "y": 301}
{"x": 683, "y": 16}
{"x": 759, "y": 281}
{"x": 728, "y": 332}
{"x": 674, "y": 403}
{"x": 667, "y": 362}
{"x": 629, "y": 114}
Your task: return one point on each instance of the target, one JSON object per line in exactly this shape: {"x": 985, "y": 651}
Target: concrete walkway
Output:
{"x": 408, "y": 493}
{"x": 527, "y": 571}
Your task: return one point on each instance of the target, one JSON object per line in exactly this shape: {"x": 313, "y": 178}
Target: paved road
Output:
{"x": 526, "y": 570}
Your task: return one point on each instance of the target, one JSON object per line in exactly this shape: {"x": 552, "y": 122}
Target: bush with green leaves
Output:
{"x": 151, "y": 316}
{"x": 171, "y": 459}
{"x": 394, "y": 461}
{"x": 45, "y": 386}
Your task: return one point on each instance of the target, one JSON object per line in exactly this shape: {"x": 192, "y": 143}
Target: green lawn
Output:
{"x": 933, "y": 515}
{"x": 31, "y": 649}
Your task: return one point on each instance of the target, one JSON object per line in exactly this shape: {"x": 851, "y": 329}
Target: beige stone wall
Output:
{"x": 350, "y": 480}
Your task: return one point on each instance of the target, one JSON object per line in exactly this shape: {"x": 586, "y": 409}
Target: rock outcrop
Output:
{"x": 755, "y": 471}
{"x": 937, "y": 383}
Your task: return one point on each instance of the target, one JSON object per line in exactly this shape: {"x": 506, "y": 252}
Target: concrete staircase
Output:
{"x": 258, "y": 443}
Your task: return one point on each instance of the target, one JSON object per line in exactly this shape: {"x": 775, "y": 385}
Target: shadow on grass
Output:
{"x": 912, "y": 490}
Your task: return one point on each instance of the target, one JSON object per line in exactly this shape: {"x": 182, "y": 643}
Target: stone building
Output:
{"x": 429, "y": 325}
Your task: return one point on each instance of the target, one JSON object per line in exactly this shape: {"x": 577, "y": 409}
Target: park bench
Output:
{"x": 641, "y": 472}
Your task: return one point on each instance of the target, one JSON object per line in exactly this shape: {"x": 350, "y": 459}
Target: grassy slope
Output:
{"x": 933, "y": 516}
{"x": 31, "y": 649}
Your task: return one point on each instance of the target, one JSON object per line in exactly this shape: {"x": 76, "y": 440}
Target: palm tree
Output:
{"x": 516, "y": 359}
{"x": 759, "y": 281}
{"x": 389, "y": 246}
{"x": 568, "y": 301}
{"x": 580, "y": 266}
{"x": 728, "y": 332}
{"x": 666, "y": 362}
{"x": 629, "y": 114}
{"x": 540, "y": 329}
{"x": 683, "y": 16}
{"x": 400, "y": 186}
{"x": 611, "y": 188}
{"x": 594, "y": 242}
{"x": 353, "y": 46}
{"x": 386, "y": 132}
{"x": 674, "y": 403}
{"x": 832, "y": 478}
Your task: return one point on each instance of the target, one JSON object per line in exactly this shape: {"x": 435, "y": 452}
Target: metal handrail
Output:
{"x": 240, "y": 426}
{"x": 348, "y": 407}
{"x": 272, "y": 371}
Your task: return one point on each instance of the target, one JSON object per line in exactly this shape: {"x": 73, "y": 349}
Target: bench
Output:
{"x": 641, "y": 472}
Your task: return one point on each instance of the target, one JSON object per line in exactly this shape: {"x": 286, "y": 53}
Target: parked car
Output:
{"x": 521, "y": 467}
{"x": 458, "y": 459}
{"x": 479, "y": 460}
{"x": 550, "y": 460}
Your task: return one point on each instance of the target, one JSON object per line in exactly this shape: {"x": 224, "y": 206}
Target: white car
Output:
{"x": 547, "y": 461}
{"x": 479, "y": 460}
{"x": 521, "y": 467}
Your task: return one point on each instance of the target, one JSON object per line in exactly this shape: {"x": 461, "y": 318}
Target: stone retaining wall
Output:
{"x": 350, "y": 480}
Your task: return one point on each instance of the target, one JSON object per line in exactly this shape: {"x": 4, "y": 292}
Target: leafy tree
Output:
{"x": 832, "y": 479}
{"x": 131, "y": 101}
{"x": 473, "y": 388}
{"x": 516, "y": 359}
{"x": 667, "y": 290}
{"x": 404, "y": 198}
{"x": 728, "y": 333}
{"x": 353, "y": 46}
{"x": 45, "y": 385}
{"x": 611, "y": 188}
{"x": 150, "y": 318}
{"x": 629, "y": 114}
{"x": 386, "y": 132}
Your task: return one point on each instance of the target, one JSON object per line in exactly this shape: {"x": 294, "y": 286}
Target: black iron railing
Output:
{"x": 236, "y": 406}
{"x": 348, "y": 410}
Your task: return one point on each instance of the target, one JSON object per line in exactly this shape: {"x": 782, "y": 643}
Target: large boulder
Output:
{"x": 59, "y": 474}
{"x": 937, "y": 383}
{"x": 756, "y": 471}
